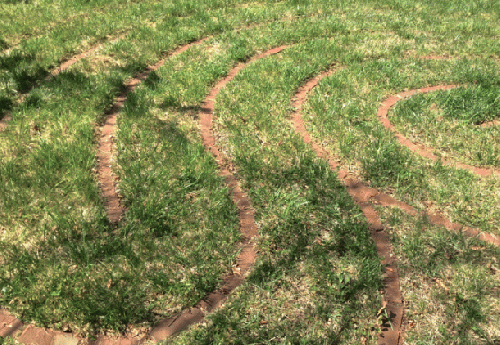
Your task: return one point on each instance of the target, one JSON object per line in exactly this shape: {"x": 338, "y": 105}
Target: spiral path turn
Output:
{"x": 421, "y": 150}
{"x": 366, "y": 197}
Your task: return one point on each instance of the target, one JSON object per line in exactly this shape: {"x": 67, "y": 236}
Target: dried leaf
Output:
{"x": 381, "y": 311}
{"x": 442, "y": 285}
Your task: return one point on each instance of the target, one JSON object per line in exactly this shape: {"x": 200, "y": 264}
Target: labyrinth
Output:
{"x": 234, "y": 172}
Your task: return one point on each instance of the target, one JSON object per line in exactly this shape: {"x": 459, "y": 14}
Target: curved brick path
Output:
{"x": 422, "y": 150}
{"x": 104, "y": 154}
{"x": 366, "y": 197}
{"x": 392, "y": 298}
{"x": 10, "y": 326}
{"x": 248, "y": 254}
{"x": 363, "y": 195}
{"x": 374, "y": 195}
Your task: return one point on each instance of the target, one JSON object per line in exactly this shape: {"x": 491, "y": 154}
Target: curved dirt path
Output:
{"x": 363, "y": 193}
{"x": 392, "y": 299}
{"x": 248, "y": 254}
{"x": 366, "y": 197}
{"x": 422, "y": 150}
{"x": 11, "y": 326}
{"x": 104, "y": 155}
{"x": 74, "y": 59}
{"x": 54, "y": 72}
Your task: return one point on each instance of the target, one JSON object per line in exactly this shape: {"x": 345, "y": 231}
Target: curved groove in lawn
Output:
{"x": 392, "y": 298}
{"x": 11, "y": 326}
{"x": 248, "y": 254}
{"x": 54, "y": 72}
{"x": 422, "y": 150}
{"x": 366, "y": 197}
{"x": 106, "y": 176}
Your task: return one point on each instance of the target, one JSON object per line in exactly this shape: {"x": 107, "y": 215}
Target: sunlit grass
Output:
{"x": 450, "y": 282}
{"x": 317, "y": 278}
{"x": 450, "y": 123}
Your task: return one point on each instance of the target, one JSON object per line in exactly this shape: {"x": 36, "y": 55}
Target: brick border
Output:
{"x": 365, "y": 197}
{"x": 104, "y": 154}
{"x": 391, "y": 296}
{"x": 422, "y": 150}
{"x": 11, "y": 326}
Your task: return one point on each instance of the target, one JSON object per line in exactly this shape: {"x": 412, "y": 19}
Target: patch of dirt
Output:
{"x": 4, "y": 121}
{"x": 490, "y": 124}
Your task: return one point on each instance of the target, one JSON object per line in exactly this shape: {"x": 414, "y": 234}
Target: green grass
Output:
{"x": 317, "y": 276}
{"x": 449, "y": 122}
{"x": 450, "y": 283}
{"x": 317, "y": 267}
{"x": 353, "y": 95}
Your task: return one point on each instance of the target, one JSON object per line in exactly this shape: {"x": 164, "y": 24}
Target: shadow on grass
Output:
{"x": 93, "y": 277}
{"x": 465, "y": 315}
{"x": 23, "y": 69}
{"x": 290, "y": 242}
{"x": 5, "y": 105}
{"x": 3, "y": 44}
{"x": 59, "y": 282}
{"x": 191, "y": 111}
{"x": 67, "y": 275}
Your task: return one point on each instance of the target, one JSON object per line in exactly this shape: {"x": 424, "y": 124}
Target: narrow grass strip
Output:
{"x": 106, "y": 176}
{"x": 248, "y": 254}
{"x": 386, "y": 200}
{"x": 421, "y": 150}
{"x": 392, "y": 299}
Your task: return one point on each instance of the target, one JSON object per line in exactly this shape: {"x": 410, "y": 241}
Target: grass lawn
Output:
{"x": 317, "y": 278}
